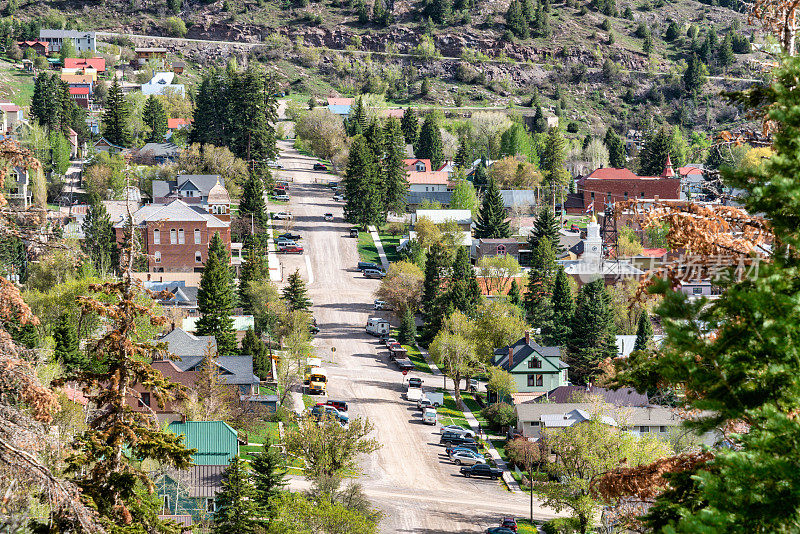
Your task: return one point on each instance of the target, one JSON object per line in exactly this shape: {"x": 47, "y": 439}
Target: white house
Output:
{"x": 161, "y": 84}
{"x": 83, "y": 41}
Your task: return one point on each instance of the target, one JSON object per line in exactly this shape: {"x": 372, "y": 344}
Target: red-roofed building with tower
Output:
{"x": 615, "y": 185}
{"x": 96, "y": 63}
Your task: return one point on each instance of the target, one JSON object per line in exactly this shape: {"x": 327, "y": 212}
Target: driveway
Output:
{"x": 410, "y": 478}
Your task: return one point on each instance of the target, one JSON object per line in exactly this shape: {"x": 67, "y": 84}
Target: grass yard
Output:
{"x": 259, "y": 432}
{"x": 415, "y": 356}
{"x": 449, "y": 414}
{"x": 309, "y": 400}
{"x": 390, "y": 243}
{"x": 472, "y": 404}
{"x": 525, "y": 527}
{"x": 366, "y": 248}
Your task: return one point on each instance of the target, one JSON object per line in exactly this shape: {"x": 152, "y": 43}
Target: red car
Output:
{"x": 292, "y": 249}
{"x": 510, "y": 523}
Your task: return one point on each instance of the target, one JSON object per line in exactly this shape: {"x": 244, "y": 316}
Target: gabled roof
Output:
{"x": 412, "y": 162}
{"x": 172, "y": 124}
{"x": 339, "y": 110}
{"x": 518, "y": 197}
{"x": 9, "y": 107}
{"x": 105, "y": 142}
{"x": 340, "y": 101}
{"x": 176, "y": 210}
{"x": 159, "y": 150}
{"x": 80, "y": 90}
{"x": 216, "y": 441}
{"x": 183, "y": 344}
{"x": 615, "y": 397}
{"x": 202, "y": 182}
{"x": 418, "y": 197}
{"x": 200, "y": 481}
{"x": 610, "y": 173}
{"x": 236, "y": 370}
{"x": 97, "y": 63}
{"x": 432, "y": 177}
{"x": 443, "y": 215}
{"x": 551, "y": 356}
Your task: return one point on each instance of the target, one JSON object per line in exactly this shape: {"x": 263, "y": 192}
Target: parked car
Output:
{"x": 318, "y": 410}
{"x": 388, "y": 341}
{"x": 281, "y": 198}
{"x": 453, "y": 438}
{"x": 283, "y": 241}
{"x": 333, "y": 185}
{"x": 380, "y": 305}
{"x": 366, "y": 265}
{"x": 320, "y": 167}
{"x": 282, "y": 215}
{"x": 374, "y": 273}
{"x": 280, "y": 189}
{"x": 291, "y": 249}
{"x": 339, "y": 405}
{"x": 574, "y": 228}
{"x": 314, "y": 329}
{"x": 404, "y": 364}
{"x": 275, "y": 164}
{"x": 499, "y": 530}
{"x": 281, "y": 183}
{"x": 328, "y": 216}
{"x": 429, "y": 416}
{"x": 414, "y": 382}
{"x": 510, "y": 523}
{"x": 424, "y": 403}
{"x": 290, "y": 236}
{"x": 467, "y": 458}
{"x": 464, "y": 450}
{"x": 469, "y": 446}
{"x": 394, "y": 346}
{"x": 338, "y": 198}
{"x": 481, "y": 470}
{"x": 473, "y": 384}
{"x": 353, "y": 232}
{"x": 458, "y": 430}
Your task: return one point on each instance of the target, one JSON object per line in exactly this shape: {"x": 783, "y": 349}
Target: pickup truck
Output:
{"x": 481, "y": 470}
{"x": 404, "y": 364}
{"x": 413, "y": 394}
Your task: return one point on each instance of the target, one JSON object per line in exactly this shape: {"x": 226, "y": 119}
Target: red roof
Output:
{"x": 177, "y": 123}
{"x": 96, "y": 63}
{"x": 5, "y": 106}
{"x": 669, "y": 172}
{"x": 80, "y": 91}
{"x": 45, "y": 44}
{"x": 654, "y": 252}
{"x": 333, "y": 101}
{"x": 412, "y": 162}
{"x": 690, "y": 169}
{"x": 610, "y": 173}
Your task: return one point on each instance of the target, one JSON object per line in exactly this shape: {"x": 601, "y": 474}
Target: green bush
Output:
{"x": 500, "y": 414}
{"x": 175, "y": 27}
{"x": 561, "y": 525}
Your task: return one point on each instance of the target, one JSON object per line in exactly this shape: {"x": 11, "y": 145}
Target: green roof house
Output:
{"x": 216, "y": 442}
{"x": 535, "y": 369}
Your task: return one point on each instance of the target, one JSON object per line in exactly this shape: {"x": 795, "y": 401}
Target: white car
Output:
{"x": 274, "y": 164}
{"x": 380, "y": 305}
{"x": 282, "y": 198}
{"x": 466, "y": 458}
{"x": 338, "y": 198}
{"x": 282, "y": 215}
{"x": 429, "y": 416}
{"x": 459, "y": 429}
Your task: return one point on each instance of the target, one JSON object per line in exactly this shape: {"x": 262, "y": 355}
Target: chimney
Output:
{"x": 510, "y": 354}
{"x": 655, "y": 198}
{"x": 527, "y": 337}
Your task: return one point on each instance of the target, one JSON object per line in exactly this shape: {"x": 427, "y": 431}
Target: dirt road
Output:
{"x": 410, "y": 477}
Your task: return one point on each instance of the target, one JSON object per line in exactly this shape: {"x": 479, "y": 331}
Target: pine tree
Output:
{"x": 66, "y": 349}
{"x": 395, "y": 182}
{"x": 407, "y": 335}
{"x": 295, "y": 292}
{"x": 155, "y": 118}
{"x": 252, "y": 110}
{"x": 545, "y": 226}
{"x": 592, "y": 338}
{"x": 462, "y": 159}
{"x": 375, "y": 140}
{"x": 464, "y": 293}
{"x": 480, "y": 178}
{"x": 433, "y": 306}
{"x": 237, "y": 506}
{"x": 539, "y": 122}
{"x": 440, "y": 11}
{"x": 41, "y": 99}
{"x": 100, "y": 242}
{"x": 357, "y": 121}
{"x": 429, "y": 145}
{"x": 410, "y": 126}
{"x": 657, "y": 146}
{"x": 616, "y": 149}
{"x": 115, "y": 116}
{"x": 647, "y": 44}
{"x": 269, "y": 476}
{"x": 556, "y": 331}
{"x": 215, "y": 298}
{"x": 253, "y": 346}
{"x": 553, "y": 157}
{"x": 252, "y": 200}
{"x": 644, "y": 332}
{"x": 492, "y": 219}
{"x": 254, "y": 267}
{"x": 514, "y": 296}
{"x": 516, "y": 21}
{"x": 694, "y": 78}
{"x": 540, "y": 284}
{"x": 362, "y": 186}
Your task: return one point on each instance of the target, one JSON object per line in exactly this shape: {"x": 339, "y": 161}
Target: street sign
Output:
{"x": 405, "y": 372}
{"x": 333, "y": 354}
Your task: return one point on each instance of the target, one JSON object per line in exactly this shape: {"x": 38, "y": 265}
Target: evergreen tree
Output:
{"x": 410, "y": 125}
{"x": 375, "y": 140}
{"x": 480, "y": 178}
{"x": 540, "y": 285}
{"x": 254, "y": 267}
{"x": 694, "y": 77}
{"x": 647, "y": 44}
{"x": 725, "y": 56}
{"x": 66, "y": 349}
{"x": 215, "y": 298}
{"x": 539, "y": 121}
{"x": 407, "y": 335}
{"x": 100, "y": 242}
{"x": 363, "y": 186}
{"x": 434, "y": 307}
{"x": 252, "y": 200}
{"x": 546, "y": 226}
{"x": 295, "y": 292}
{"x": 657, "y": 146}
{"x": 514, "y": 296}
{"x": 593, "y": 333}
{"x": 556, "y": 331}
{"x": 155, "y": 118}
{"x": 115, "y": 116}
{"x": 253, "y": 346}
{"x": 616, "y": 149}
{"x": 210, "y": 124}
{"x": 528, "y": 11}
{"x": 553, "y": 157}
{"x": 515, "y": 20}
{"x": 462, "y": 159}
{"x": 269, "y": 476}
{"x": 492, "y": 219}
{"x": 465, "y": 293}
{"x": 644, "y": 332}
{"x": 357, "y": 120}
{"x": 237, "y": 505}
{"x": 429, "y": 145}
{"x": 395, "y": 182}
{"x": 253, "y": 111}
{"x": 440, "y": 11}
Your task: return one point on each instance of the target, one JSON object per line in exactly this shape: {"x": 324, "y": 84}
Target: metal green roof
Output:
{"x": 216, "y": 442}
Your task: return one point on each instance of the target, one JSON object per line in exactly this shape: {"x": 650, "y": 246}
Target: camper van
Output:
{"x": 311, "y": 363}
{"x": 317, "y": 381}
{"x": 377, "y": 326}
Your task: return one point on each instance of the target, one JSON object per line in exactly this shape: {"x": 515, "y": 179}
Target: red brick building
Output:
{"x": 175, "y": 236}
{"x": 616, "y": 185}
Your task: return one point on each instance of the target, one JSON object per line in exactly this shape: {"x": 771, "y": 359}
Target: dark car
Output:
{"x": 290, "y": 236}
{"x": 366, "y": 265}
{"x": 453, "y": 438}
{"x": 320, "y": 167}
{"x": 353, "y": 232}
{"x": 470, "y": 446}
{"x": 374, "y": 273}
{"x": 404, "y": 364}
{"x": 499, "y": 530}
{"x": 481, "y": 470}
{"x": 510, "y": 523}
{"x": 314, "y": 329}
{"x": 415, "y": 382}
{"x": 339, "y": 405}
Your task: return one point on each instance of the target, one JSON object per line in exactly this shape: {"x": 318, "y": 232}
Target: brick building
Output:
{"x": 175, "y": 236}
{"x": 616, "y": 185}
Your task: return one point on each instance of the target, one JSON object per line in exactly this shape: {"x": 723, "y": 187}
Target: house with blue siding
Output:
{"x": 535, "y": 369}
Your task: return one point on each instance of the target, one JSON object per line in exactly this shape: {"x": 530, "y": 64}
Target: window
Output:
{"x": 197, "y": 238}
{"x": 534, "y": 423}
{"x": 211, "y": 506}
{"x": 641, "y": 195}
{"x": 534, "y": 363}
{"x": 157, "y": 256}
{"x": 181, "y": 237}
{"x": 535, "y": 380}
{"x": 198, "y": 257}
{"x": 697, "y": 291}
{"x": 566, "y": 379}
{"x": 644, "y": 429}
{"x": 156, "y": 236}
{"x": 609, "y": 196}
{"x": 166, "y": 503}
{"x": 420, "y": 166}
{"x": 173, "y": 236}
{"x": 501, "y": 250}
{"x": 626, "y": 195}
{"x": 592, "y": 195}
{"x": 144, "y": 399}
{"x": 662, "y": 429}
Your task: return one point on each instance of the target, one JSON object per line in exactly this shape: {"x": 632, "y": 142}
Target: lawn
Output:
{"x": 472, "y": 404}
{"x": 366, "y": 248}
{"x": 390, "y": 243}
{"x": 259, "y": 432}
{"x": 525, "y": 527}
{"x": 416, "y": 356}
{"x": 308, "y": 400}
{"x": 449, "y": 414}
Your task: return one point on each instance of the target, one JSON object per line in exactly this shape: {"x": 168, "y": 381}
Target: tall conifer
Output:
{"x": 215, "y": 299}
{"x": 492, "y": 218}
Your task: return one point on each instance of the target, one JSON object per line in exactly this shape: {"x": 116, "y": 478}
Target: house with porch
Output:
{"x": 534, "y": 368}
{"x": 18, "y": 187}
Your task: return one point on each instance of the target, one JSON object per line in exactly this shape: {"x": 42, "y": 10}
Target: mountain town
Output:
{"x": 358, "y": 268}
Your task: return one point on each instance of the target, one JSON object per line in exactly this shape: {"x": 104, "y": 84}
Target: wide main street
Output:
{"x": 410, "y": 478}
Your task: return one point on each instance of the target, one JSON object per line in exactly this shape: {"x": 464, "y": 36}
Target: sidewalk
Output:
{"x": 272, "y": 256}
{"x": 473, "y": 423}
{"x": 379, "y": 246}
